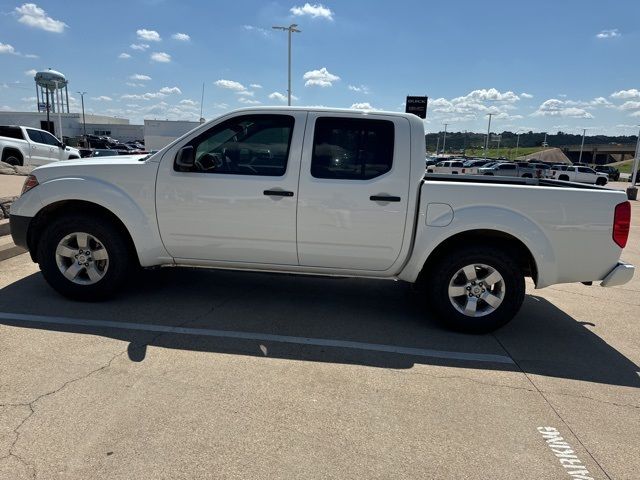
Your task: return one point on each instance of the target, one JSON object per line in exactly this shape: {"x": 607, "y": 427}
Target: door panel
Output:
{"x": 38, "y": 148}
{"x": 340, "y": 225}
{"x": 239, "y": 207}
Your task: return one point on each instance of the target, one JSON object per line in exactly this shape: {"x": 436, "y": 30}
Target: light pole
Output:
{"x": 290, "y": 29}
{"x": 84, "y": 124}
{"x": 486, "y": 143}
{"x": 584, "y": 131}
{"x": 517, "y": 144}
{"x": 438, "y": 145}
{"x": 498, "y": 152}
{"x": 58, "y": 96}
{"x": 444, "y": 140}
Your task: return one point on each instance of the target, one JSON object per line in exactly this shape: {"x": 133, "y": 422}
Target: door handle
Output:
{"x": 384, "y": 198}
{"x": 278, "y": 193}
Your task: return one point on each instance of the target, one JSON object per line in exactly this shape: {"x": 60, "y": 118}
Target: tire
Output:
{"x": 109, "y": 257}
{"x": 601, "y": 182}
{"x": 527, "y": 175}
{"x": 563, "y": 178}
{"x": 447, "y": 275}
{"x": 13, "y": 159}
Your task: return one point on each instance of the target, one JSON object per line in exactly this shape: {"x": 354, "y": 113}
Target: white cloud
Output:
{"x": 248, "y": 101}
{"x": 261, "y": 31}
{"x": 140, "y": 77}
{"x": 30, "y": 55}
{"x": 190, "y": 103}
{"x": 362, "y": 106}
{"x": 280, "y": 97}
{"x": 614, "y": 33}
{"x": 255, "y": 85}
{"x": 31, "y": 73}
{"x": 320, "y": 78}
{"x": 526, "y": 95}
{"x": 624, "y": 94}
{"x": 124, "y": 55}
{"x": 635, "y": 114}
{"x": 133, "y": 84}
{"x": 230, "y": 85}
{"x": 558, "y": 108}
{"x": 246, "y": 93}
{"x": 144, "y": 96}
{"x": 221, "y": 106}
{"x": 139, "y": 46}
{"x": 313, "y": 11}
{"x": 170, "y": 90}
{"x": 102, "y": 98}
{"x": 491, "y": 94}
{"x": 161, "y": 57}
{"x": 148, "y": 35}
{"x": 7, "y": 49}
{"x": 360, "y": 89}
{"x": 630, "y": 105}
{"x": 181, "y": 37}
{"x": 34, "y": 16}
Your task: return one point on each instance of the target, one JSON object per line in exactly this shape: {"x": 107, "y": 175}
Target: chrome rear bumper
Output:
{"x": 621, "y": 274}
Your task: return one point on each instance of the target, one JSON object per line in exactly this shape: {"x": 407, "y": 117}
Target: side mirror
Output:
{"x": 62, "y": 146}
{"x": 185, "y": 158}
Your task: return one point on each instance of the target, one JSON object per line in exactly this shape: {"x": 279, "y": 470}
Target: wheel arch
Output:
{"x": 504, "y": 240}
{"x": 62, "y": 208}
{"x": 15, "y": 151}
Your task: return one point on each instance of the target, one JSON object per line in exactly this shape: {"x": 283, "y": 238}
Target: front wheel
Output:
{"x": 479, "y": 291}
{"x": 84, "y": 258}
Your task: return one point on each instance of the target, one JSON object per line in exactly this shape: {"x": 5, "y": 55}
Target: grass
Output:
{"x": 509, "y": 153}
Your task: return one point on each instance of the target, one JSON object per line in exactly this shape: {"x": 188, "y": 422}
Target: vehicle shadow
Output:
{"x": 542, "y": 339}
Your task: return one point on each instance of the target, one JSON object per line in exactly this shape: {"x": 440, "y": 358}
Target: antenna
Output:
{"x": 202, "y": 103}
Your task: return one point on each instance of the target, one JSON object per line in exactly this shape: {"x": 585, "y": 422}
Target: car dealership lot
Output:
{"x": 214, "y": 374}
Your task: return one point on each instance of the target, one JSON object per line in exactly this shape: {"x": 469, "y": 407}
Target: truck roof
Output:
{"x": 351, "y": 111}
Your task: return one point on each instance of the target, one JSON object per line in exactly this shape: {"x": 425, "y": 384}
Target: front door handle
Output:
{"x": 278, "y": 193}
{"x": 384, "y": 198}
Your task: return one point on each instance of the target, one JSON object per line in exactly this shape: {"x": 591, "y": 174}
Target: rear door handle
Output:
{"x": 384, "y": 198}
{"x": 278, "y": 193}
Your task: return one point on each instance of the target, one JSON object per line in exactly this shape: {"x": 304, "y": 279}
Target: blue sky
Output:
{"x": 542, "y": 66}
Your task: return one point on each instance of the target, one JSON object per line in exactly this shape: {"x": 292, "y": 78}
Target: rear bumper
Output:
{"x": 621, "y": 274}
{"x": 19, "y": 229}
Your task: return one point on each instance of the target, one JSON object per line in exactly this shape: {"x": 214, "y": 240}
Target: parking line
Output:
{"x": 318, "y": 342}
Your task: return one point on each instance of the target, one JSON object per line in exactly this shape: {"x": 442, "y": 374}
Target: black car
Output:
{"x": 612, "y": 172}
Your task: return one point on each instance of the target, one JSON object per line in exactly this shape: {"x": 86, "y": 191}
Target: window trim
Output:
{"x": 197, "y": 140}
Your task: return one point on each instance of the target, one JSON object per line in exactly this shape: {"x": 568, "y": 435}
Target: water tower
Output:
{"x": 48, "y": 83}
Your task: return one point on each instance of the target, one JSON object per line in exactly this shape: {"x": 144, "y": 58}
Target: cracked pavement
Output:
{"x": 80, "y": 402}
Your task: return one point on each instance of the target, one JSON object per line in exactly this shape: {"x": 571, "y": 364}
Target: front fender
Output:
{"x": 137, "y": 215}
{"x": 467, "y": 219}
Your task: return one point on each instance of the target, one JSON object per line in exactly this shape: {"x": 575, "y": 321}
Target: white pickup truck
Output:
{"x": 31, "y": 146}
{"x": 578, "y": 173}
{"x": 326, "y": 192}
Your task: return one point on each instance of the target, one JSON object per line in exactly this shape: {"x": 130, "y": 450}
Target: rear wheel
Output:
{"x": 563, "y": 177}
{"x": 478, "y": 292}
{"x": 12, "y": 159}
{"x": 601, "y": 181}
{"x": 84, "y": 258}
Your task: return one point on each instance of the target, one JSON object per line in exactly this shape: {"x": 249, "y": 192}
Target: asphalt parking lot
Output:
{"x": 216, "y": 374}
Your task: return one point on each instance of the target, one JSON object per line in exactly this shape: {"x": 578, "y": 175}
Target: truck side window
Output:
{"x": 352, "y": 148}
{"x": 246, "y": 145}
{"x": 35, "y": 136}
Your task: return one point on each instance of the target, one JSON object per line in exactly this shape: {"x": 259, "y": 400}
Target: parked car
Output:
{"x": 32, "y": 146}
{"x": 510, "y": 169}
{"x": 471, "y": 166}
{"x": 612, "y": 172}
{"x": 452, "y": 167}
{"x": 580, "y": 174}
{"x": 241, "y": 192}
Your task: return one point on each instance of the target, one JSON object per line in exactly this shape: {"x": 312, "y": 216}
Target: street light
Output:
{"x": 518, "y": 133}
{"x": 84, "y": 124}
{"x": 290, "y": 29}
{"x": 444, "y": 140}
{"x": 584, "y": 131}
{"x": 486, "y": 143}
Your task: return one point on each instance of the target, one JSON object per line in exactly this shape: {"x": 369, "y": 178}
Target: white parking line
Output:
{"x": 319, "y": 342}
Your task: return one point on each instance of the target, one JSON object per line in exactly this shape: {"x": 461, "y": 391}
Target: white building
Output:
{"x": 160, "y": 133}
{"x": 118, "y": 128}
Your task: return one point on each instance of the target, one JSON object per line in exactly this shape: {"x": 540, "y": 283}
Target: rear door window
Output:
{"x": 11, "y": 132}
{"x": 352, "y": 148}
{"x": 35, "y": 136}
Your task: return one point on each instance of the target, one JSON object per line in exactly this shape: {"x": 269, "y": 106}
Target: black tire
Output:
{"x": 120, "y": 257}
{"x": 436, "y": 282}
{"x": 564, "y": 178}
{"x": 12, "y": 159}
{"x": 601, "y": 182}
{"x": 527, "y": 175}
